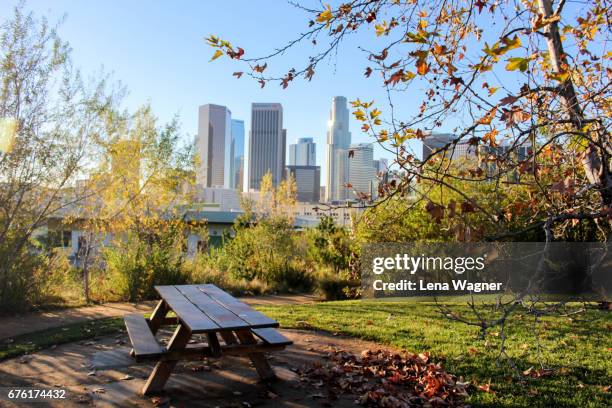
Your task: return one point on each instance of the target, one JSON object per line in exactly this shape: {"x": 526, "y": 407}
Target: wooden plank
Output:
{"x": 272, "y": 336}
{"x": 258, "y": 359}
{"x": 224, "y": 318}
{"x": 160, "y": 374}
{"x": 187, "y": 312}
{"x": 245, "y": 312}
{"x": 143, "y": 341}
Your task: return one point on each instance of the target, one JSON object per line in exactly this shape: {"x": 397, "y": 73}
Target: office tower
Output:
{"x": 303, "y": 153}
{"x": 338, "y": 142}
{"x": 238, "y": 138}
{"x": 362, "y": 174}
{"x": 308, "y": 182}
{"x": 267, "y": 142}
{"x": 214, "y": 146}
{"x": 381, "y": 165}
{"x": 436, "y": 141}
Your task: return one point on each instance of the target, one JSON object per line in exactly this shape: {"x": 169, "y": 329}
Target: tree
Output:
{"x": 532, "y": 75}
{"x": 48, "y": 117}
{"x": 138, "y": 191}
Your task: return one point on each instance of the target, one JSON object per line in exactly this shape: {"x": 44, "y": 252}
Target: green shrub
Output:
{"x": 334, "y": 286}
{"x": 137, "y": 261}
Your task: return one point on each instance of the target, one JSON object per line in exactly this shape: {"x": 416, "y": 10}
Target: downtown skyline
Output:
{"x": 270, "y": 150}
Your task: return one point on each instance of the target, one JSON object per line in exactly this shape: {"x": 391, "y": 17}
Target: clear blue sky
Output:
{"x": 157, "y": 50}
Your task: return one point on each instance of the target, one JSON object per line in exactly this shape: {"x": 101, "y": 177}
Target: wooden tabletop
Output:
{"x": 206, "y": 308}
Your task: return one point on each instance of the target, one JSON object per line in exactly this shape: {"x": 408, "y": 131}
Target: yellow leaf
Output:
{"x": 492, "y": 91}
{"x": 325, "y": 16}
{"x": 375, "y": 113}
{"x": 360, "y": 115}
{"x": 517, "y": 63}
{"x": 408, "y": 76}
{"x": 511, "y": 44}
{"x": 356, "y": 103}
{"x": 216, "y": 55}
{"x": 381, "y": 29}
{"x": 560, "y": 76}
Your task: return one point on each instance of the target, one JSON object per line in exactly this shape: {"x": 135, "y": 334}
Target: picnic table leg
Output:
{"x": 228, "y": 337}
{"x": 163, "y": 369}
{"x": 259, "y": 359}
{"x": 157, "y": 317}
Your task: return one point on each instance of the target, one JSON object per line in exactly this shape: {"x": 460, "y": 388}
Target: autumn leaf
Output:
{"x": 489, "y": 138}
{"x": 436, "y": 211}
{"x": 480, "y": 4}
{"x": 560, "y": 76}
{"x": 260, "y": 68}
{"x": 237, "y": 74}
{"x": 519, "y": 63}
{"x": 216, "y": 55}
{"x": 381, "y": 29}
{"x": 510, "y": 99}
{"x": 488, "y": 118}
{"x": 511, "y": 44}
{"x": 368, "y": 72}
{"x": 325, "y": 16}
{"x": 422, "y": 67}
{"x": 467, "y": 207}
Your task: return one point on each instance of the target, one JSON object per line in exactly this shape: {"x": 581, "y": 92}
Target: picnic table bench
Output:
{"x": 205, "y": 310}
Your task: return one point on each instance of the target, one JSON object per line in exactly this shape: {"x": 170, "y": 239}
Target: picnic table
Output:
{"x": 230, "y": 327}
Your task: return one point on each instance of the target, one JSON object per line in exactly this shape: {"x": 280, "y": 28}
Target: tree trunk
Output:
{"x": 596, "y": 160}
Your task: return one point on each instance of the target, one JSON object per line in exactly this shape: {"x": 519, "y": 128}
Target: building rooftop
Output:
{"x": 213, "y": 217}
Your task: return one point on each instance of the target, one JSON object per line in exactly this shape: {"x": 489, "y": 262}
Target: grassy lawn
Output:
{"x": 31, "y": 342}
{"x": 579, "y": 349}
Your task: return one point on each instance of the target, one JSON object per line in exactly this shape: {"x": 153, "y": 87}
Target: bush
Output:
{"x": 267, "y": 252}
{"x": 137, "y": 261}
{"x": 334, "y": 286}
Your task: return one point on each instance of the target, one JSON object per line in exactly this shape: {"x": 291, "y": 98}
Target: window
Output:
{"x": 60, "y": 239}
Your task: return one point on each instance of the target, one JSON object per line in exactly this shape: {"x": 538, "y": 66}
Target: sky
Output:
{"x": 157, "y": 51}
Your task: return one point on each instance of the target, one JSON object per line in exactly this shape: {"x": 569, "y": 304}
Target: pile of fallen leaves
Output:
{"x": 384, "y": 379}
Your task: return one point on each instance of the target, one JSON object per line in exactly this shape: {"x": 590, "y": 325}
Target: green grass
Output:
{"x": 577, "y": 348}
{"x": 31, "y": 342}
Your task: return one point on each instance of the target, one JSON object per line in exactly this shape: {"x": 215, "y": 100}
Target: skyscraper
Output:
{"x": 214, "y": 146}
{"x": 381, "y": 165}
{"x": 362, "y": 173}
{"x": 303, "y": 153}
{"x": 434, "y": 142}
{"x": 308, "y": 182}
{"x": 267, "y": 143}
{"x": 338, "y": 142}
{"x": 238, "y": 137}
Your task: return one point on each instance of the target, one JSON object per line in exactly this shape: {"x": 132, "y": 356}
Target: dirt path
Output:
{"x": 99, "y": 373}
{"x": 21, "y": 324}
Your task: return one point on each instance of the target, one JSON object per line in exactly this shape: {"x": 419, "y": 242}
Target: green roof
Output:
{"x": 213, "y": 217}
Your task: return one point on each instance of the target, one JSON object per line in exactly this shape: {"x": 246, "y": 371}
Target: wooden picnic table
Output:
{"x": 230, "y": 326}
